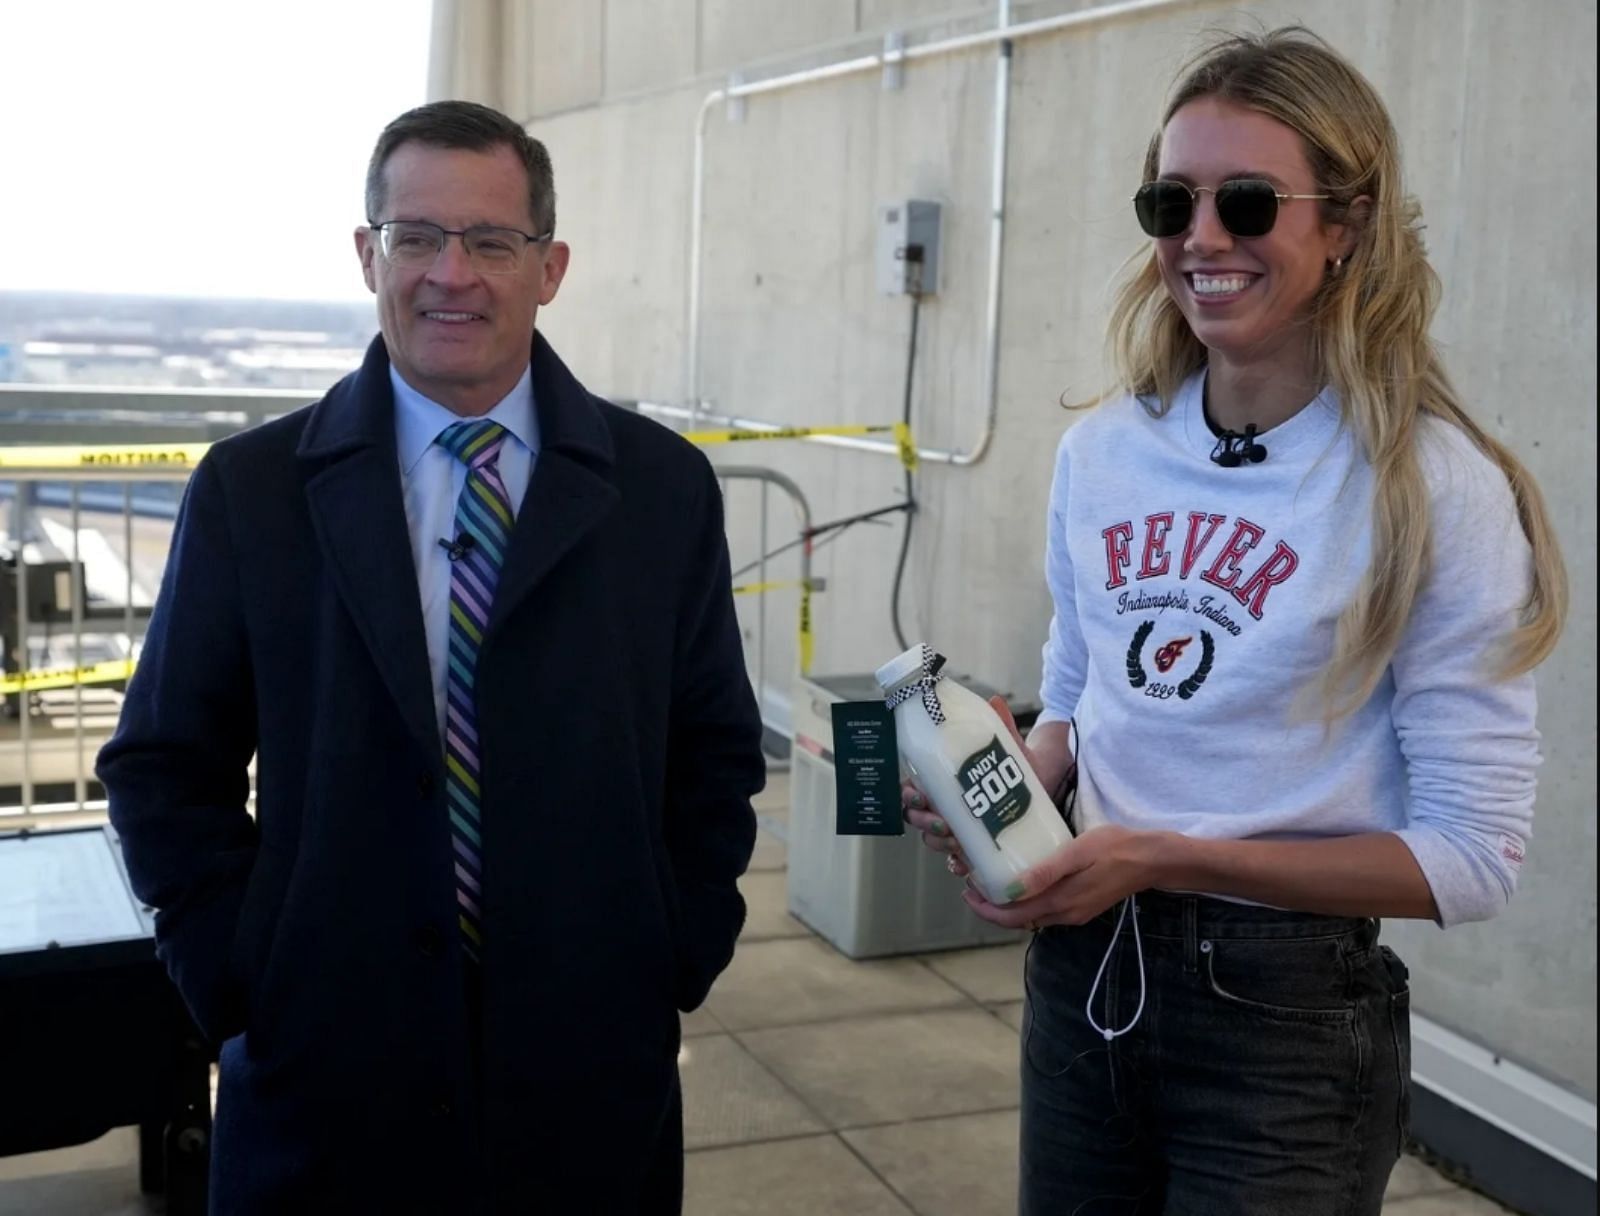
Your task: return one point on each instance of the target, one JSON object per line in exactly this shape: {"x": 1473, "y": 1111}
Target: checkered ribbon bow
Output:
{"x": 932, "y": 673}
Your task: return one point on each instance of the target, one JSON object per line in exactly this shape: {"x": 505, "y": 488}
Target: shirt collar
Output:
{"x": 420, "y": 420}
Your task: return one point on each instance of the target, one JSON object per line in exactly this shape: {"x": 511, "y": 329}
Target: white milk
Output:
{"x": 973, "y": 773}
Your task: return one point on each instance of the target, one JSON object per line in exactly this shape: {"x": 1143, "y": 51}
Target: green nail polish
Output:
{"x": 1015, "y": 891}
{"x": 939, "y": 828}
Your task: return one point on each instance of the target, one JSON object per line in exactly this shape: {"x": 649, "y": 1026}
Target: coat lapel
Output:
{"x": 571, "y": 491}
{"x": 359, "y": 516}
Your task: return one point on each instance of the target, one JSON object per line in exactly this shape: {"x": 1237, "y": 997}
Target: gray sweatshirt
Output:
{"x": 1195, "y": 605}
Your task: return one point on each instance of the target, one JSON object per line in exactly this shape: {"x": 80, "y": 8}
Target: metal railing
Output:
{"x": 71, "y": 620}
{"x": 50, "y": 682}
{"x": 760, "y": 659}
{"x": 84, "y": 546}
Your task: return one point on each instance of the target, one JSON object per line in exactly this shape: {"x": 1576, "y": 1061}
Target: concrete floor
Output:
{"x": 814, "y": 1086}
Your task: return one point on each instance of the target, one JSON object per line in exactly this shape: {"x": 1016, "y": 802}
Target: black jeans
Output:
{"x": 1268, "y": 1075}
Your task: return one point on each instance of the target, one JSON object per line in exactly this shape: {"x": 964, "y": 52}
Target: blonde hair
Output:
{"x": 1369, "y": 340}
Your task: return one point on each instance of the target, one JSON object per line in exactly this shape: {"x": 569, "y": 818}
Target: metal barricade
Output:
{"x": 70, "y": 628}
{"x": 69, "y": 637}
{"x": 70, "y": 620}
{"x": 769, "y": 662}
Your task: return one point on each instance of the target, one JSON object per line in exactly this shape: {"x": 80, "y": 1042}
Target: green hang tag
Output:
{"x": 994, "y": 788}
{"x": 866, "y": 770}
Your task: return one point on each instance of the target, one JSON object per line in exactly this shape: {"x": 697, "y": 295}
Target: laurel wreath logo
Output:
{"x": 1187, "y": 688}
{"x": 1136, "y": 675}
{"x": 1208, "y": 650}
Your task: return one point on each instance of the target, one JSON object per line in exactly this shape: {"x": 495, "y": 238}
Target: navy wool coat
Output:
{"x": 316, "y": 941}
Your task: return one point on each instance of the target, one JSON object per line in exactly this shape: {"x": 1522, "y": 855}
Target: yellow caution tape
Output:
{"x": 110, "y": 672}
{"x": 187, "y": 455}
{"x": 908, "y": 449}
{"x": 763, "y": 588}
{"x": 786, "y": 432}
{"x": 107, "y": 456}
{"x": 900, "y": 431}
{"x": 806, "y": 642}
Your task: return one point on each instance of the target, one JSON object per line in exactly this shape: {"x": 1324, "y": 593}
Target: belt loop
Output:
{"x": 1191, "y": 934}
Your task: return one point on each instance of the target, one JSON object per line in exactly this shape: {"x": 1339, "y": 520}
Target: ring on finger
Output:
{"x": 950, "y": 862}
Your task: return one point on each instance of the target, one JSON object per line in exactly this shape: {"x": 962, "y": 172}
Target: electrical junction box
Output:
{"x": 901, "y": 225}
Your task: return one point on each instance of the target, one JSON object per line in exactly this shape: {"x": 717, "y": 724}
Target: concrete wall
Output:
{"x": 1496, "y": 107}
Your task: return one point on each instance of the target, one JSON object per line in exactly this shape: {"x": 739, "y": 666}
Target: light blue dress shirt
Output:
{"x": 432, "y": 480}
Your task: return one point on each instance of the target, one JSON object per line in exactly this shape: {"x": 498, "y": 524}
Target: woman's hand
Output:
{"x": 1080, "y": 880}
{"x": 936, "y": 833}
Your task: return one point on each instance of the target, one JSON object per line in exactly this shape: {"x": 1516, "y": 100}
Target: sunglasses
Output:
{"x": 1246, "y": 206}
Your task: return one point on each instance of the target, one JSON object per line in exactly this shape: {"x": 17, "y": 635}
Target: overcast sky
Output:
{"x": 174, "y": 147}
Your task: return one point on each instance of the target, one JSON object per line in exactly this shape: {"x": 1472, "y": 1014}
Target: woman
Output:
{"x": 1297, "y": 597}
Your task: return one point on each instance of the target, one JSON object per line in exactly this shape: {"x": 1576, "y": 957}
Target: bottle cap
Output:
{"x": 902, "y": 667}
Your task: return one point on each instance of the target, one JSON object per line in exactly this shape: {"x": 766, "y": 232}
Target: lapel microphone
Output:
{"x": 462, "y": 545}
{"x": 1233, "y": 449}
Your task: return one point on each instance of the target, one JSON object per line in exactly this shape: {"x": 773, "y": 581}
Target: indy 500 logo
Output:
{"x": 994, "y": 788}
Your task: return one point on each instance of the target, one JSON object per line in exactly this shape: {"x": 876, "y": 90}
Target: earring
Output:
{"x": 1338, "y": 265}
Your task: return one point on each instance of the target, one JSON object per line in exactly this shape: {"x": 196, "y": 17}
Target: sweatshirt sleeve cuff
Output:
{"x": 1470, "y": 880}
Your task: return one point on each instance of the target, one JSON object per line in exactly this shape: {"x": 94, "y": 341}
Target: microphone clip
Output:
{"x": 1234, "y": 449}
{"x": 459, "y": 547}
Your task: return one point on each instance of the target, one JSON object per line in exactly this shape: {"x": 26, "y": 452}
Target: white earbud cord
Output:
{"x": 1106, "y": 1032}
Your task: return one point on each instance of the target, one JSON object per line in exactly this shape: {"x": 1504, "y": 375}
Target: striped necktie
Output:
{"x": 483, "y": 527}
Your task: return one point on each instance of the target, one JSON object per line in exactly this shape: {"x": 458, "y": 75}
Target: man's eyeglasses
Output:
{"x": 416, "y": 245}
{"x": 1246, "y": 206}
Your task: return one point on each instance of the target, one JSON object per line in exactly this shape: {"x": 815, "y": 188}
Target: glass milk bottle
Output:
{"x": 961, "y": 755}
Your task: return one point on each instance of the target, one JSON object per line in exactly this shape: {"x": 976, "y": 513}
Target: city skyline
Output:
{"x": 81, "y": 338}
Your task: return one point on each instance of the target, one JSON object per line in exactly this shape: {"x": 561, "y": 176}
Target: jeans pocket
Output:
{"x": 1054, "y": 1030}
{"x": 1286, "y": 980}
{"x": 1038, "y": 1032}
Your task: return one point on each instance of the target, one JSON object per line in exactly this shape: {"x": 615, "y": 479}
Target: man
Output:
{"x": 475, "y": 626}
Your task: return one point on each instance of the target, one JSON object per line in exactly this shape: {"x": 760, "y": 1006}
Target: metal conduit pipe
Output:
{"x": 1003, "y": 35}
{"x": 997, "y": 232}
